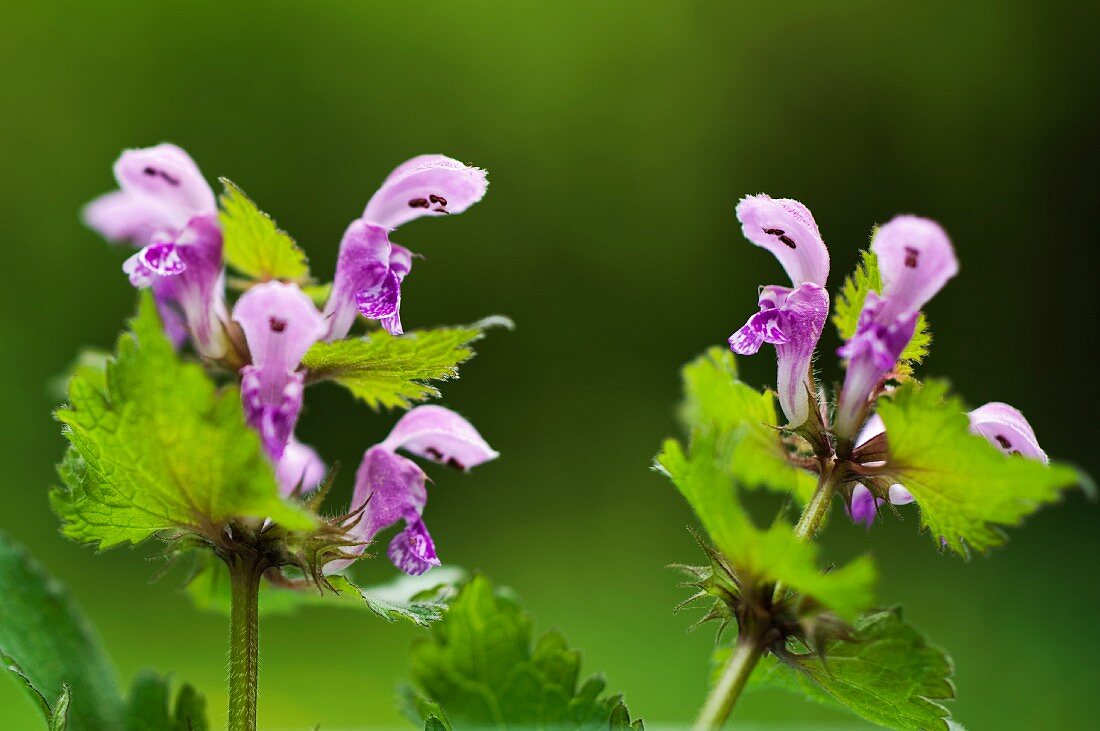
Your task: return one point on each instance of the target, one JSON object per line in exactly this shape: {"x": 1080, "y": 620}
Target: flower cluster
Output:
{"x": 915, "y": 260}
{"x": 165, "y": 207}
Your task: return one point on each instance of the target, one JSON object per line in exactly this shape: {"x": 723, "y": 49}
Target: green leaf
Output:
{"x": 150, "y": 707}
{"x": 416, "y": 599}
{"x": 394, "y": 371}
{"x": 479, "y": 666}
{"x": 46, "y": 642}
{"x": 759, "y": 555}
{"x": 160, "y": 450}
{"x": 758, "y": 458}
{"x": 732, "y": 446}
{"x": 966, "y": 488}
{"x": 59, "y": 717}
{"x": 253, "y": 244}
{"x": 887, "y": 673}
{"x": 849, "y": 303}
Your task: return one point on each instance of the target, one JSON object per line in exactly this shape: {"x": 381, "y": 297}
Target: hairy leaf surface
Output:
{"x": 160, "y": 449}
{"x": 966, "y": 488}
{"x": 253, "y": 244}
{"x": 479, "y": 669}
{"x": 887, "y": 674}
{"x": 394, "y": 371}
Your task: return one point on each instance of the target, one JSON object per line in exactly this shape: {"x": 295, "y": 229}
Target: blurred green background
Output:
{"x": 618, "y": 137}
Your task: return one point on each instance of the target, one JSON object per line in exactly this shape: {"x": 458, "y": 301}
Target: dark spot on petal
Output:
{"x": 452, "y": 462}
{"x": 1003, "y": 442}
{"x": 169, "y": 179}
{"x": 434, "y": 453}
{"x": 774, "y": 231}
{"x": 438, "y": 199}
{"x": 911, "y": 255}
{"x": 787, "y": 240}
{"x": 150, "y": 171}
{"x": 418, "y": 203}
{"x": 441, "y": 210}
{"x": 277, "y": 325}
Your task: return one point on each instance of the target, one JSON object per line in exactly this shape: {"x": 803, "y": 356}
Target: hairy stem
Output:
{"x": 245, "y": 571}
{"x": 726, "y": 691}
{"x": 746, "y": 653}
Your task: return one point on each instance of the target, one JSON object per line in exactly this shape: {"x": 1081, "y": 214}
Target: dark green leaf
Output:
{"x": 394, "y": 371}
{"x": 887, "y": 673}
{"x": 150, "y": 707}
{"x": 48, "y": 644}
{"x": 479, "y": 667}
{"x": 161, "y": 449}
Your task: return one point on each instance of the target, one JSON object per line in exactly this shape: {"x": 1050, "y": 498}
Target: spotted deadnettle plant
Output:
{"x": 203, "y": 453}
{"x": 883, "y": 438}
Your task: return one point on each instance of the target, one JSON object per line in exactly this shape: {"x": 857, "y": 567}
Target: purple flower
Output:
{"x": 370, "y": 268}
{"x": 160, "y": 191}
{"x": 300, "y": 469}
{"x": 188, "y": 282}
{"x": 790, "y": 319}
{"x": 426, "y": 185}
{"x": 916, "y": 259}
{"x": 165, "y": 205}
{"x": 390, "y": 488}
{"x": 864, "y": 505}
{"x": 1007, "y": 429}
{"x": 369, "y": 273}
{"x": 280, "y": 324}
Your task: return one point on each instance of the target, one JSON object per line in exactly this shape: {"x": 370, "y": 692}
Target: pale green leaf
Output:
{"x": 966, "y": 488}
{"x": 887, "y": 673}
{"x": 394, "y": 371}
{"x": 479, "y": 667}
{"x": 46, "y": 642}
{"x": 253, "y": 244}
{"x": 160, "y": 449}
{"x": 758, "y": 457}
{"x": 759, "y": 555}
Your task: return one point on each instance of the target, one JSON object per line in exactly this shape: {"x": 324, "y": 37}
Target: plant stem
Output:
{"x": 726, "y": 691}
{"x": 245, "y": 571}
{"x": 815, "y": 510}
{"x": 746, "y": 653}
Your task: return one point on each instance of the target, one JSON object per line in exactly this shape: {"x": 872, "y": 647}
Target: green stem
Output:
{"x": 726, "y": 691}
{"x": 746, "y": 653}
{"x": 245, "y": 572}
{"x": 813, "y": 513}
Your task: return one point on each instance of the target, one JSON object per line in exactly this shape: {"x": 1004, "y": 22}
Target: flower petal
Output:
{"x": 280, "y": 324}
{"x": 363, "y": 263}
{"x": 167, "y": 174}
{"x": 863, "y": 508}
{"x": 786, "y": 228}
{"x": 382, "y": 300}
{"x": 899, "y": 495}
{"x": 300, "y": 469}
{"x": 121, "y": 216}
{"x": 916, "y": 259}
{"x": 412, "y": 550}
{"x": 389, "y": 488}
{"x": 804, "y": 314}
{"x": 426, "y": 185}
{"x": 441, "y": 435}
{"x": 1007, "y": 429}
{"x": 763, "y": 327}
